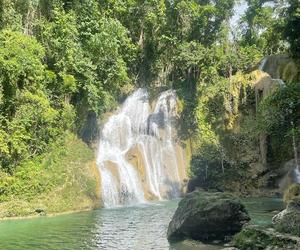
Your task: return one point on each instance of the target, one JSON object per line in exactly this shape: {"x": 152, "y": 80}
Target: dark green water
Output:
{"x": 262, "y": 210}
{"x": 129, "y": 228}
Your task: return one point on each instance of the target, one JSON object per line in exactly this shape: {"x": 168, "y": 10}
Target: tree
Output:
{"x": 292, "y": 26}
{"x": 34, "y": 125}
{"x": 280, "y": 118}
{"x": 257, "y": 18}
{"x": 21, "y": 66}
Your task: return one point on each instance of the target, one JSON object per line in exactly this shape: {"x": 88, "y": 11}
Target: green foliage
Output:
{"x": 292, "y": 26}
{"x": 60, "y": 37}
{"x": 35, "y": 124}
{"x": 60, "y": 180}
{"x": 9, "y": 15}
{"x": 249, "y": 56}
{"x": 109, "y": 50}
{"x": 257, "y": 17}
{"x": 279, "y": 117}
{"x": 20, "y": 65}
{"x": 200, "y": 20}
{"x": 91, "y": 72}
{"x": 281, "y": 108}
{"x": 28, "y": 120}
{"x": 262, "y": 26}
{"x": 64, "y": 63}
{"x": 222, "y": 140}
{"x": 272, "y": 26}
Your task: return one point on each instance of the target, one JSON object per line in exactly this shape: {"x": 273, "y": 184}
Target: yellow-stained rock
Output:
{"x": 113, "y": 168}
{"x": 135, "y": 158}
{"x": 96, "y": 173}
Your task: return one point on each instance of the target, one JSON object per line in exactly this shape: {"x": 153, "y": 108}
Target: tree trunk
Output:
{"x": 295, "y": 146}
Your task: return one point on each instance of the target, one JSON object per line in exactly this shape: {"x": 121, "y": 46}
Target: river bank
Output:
{"x": 251, "y": 201}
{"x": 49, "y": 215}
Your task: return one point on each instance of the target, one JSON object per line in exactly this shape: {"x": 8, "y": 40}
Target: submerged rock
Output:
{"x": 254, "y": 237}
{"x": 207, "y": 217}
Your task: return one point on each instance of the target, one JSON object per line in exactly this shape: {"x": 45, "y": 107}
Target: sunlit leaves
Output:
{"x": 20, "y": 65}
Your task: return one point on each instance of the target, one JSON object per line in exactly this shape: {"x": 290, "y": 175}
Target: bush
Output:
{"x": 63, "y": 179}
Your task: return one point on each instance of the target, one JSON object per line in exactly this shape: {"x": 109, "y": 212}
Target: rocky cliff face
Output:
{"x": 231, "y": 154}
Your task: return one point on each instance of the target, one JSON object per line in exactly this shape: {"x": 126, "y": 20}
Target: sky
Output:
{"x": 238, "y": 11}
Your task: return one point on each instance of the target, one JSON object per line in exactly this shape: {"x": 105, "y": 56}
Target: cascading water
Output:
{"x": 297, "y": 167}
{"x": 262, "y": 66}
{"x": 138, "y": 158}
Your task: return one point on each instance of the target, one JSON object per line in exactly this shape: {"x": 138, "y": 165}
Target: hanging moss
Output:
{"x": 226, "y": 145}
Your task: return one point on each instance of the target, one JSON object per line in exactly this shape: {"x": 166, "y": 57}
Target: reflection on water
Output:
{"x": 131, "y": 228}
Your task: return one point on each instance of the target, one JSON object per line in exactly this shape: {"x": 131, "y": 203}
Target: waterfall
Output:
{"x": 138, "y": 157}
{"x": 297, "y": 167}
{"x": 262, "y": 64}
{"x": 262, "y": 67}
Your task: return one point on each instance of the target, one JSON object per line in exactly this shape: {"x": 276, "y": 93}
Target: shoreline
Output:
{"x": 262, "y": 194}
{"x": 48, "y": 215}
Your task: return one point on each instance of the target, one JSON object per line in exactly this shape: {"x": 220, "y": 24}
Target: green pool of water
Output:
{"x": 262, "y": 210}
{"x": 130, "y": 228}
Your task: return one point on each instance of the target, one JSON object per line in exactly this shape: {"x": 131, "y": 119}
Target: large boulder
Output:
{"x": 288, "y": 220}
{"x": 207, "y": 217}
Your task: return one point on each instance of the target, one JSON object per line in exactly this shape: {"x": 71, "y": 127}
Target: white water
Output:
{"x": 297, "y": 167}
{"x": 261, "y": 67}
{"x": 262, "y": 64}
{"x": 134, "y": 126}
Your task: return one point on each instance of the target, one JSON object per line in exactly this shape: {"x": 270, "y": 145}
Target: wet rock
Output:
{"x": 207, "y": 217}
{"x": 254, "y": 237}
{"x": 40, "y": 211}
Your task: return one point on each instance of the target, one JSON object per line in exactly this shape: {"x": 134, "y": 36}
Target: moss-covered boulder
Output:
{"x": 292, "y": 193}
{"x": 207, "y": 217}
{"x": 288, "y": 220}
{"x": 254, "y": 237}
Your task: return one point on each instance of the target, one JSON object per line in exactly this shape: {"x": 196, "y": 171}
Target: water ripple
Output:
{"x": 129, "y": 228}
